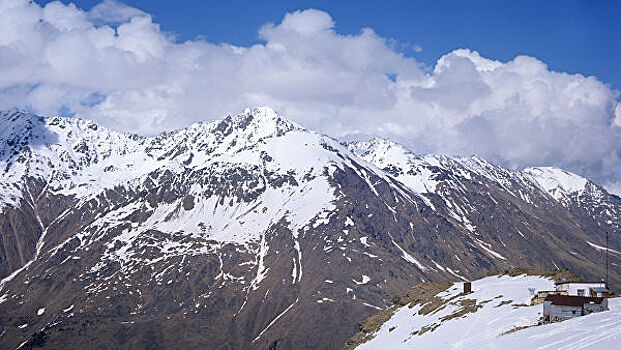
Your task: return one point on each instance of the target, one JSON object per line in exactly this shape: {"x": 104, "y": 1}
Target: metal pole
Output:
{"x": 606, "y": 259}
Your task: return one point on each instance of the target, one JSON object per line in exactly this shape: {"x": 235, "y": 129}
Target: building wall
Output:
{"x": 591, "y": 308}
{"x": 547, "y": 308}
{"x": 565, "y": 312}
{"x": 552, "y": 312}
{"x": 572, "y": 288}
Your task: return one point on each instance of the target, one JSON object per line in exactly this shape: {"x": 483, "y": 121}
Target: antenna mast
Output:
{"x": 606, "y": 259}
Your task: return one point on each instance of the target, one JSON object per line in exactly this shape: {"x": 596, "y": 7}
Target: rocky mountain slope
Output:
{"x": 495, "y": 315}
{"x": 253, "y": 232}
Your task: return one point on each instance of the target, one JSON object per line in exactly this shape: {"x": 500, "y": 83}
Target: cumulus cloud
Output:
{"x": 115, "y": 65}
{"x": 112, "y": 11}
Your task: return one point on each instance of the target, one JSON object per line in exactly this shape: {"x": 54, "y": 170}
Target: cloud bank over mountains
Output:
{"x": 115, "y": 65}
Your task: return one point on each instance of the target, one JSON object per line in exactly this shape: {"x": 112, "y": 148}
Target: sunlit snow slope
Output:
{"x": 493, "y": 317}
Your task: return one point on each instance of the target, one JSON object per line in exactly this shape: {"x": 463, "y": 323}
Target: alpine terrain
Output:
{"x": 252, "y": 232}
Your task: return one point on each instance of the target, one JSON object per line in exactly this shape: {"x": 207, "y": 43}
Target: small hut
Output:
{"x": 467, "y": 287}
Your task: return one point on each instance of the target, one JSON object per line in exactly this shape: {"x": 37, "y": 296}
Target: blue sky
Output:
{"x": 570, "y": 36}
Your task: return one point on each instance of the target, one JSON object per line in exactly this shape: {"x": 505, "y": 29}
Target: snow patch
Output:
{"x": 603, "y": 249}
{"x": 365, "y": 280}
{"x": 557, "y": 182}
{"x": 407, "y": 257}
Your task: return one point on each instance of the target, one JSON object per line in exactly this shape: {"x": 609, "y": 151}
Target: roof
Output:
{"x": 572, "y": 300}
{"x": 566, "y": 282}
{"x": 600, "y": 290}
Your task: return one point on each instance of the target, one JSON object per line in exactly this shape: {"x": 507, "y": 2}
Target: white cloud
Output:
{"x": 115, "y": 65}
{"x": 112, "y": 11}
{"x": 307, "y": 22}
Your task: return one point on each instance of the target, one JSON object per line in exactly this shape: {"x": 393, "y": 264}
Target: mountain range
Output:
{"x": 254, "y": 232}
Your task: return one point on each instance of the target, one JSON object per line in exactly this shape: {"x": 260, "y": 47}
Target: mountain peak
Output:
{"x": 263, "y": 112}
{"x": 19, "y": 129}
{"x": 253, "y": 124}
{"x": 557, "y": 182}
{"x": 265, "y": 120}
{"x": 381, "y": 147}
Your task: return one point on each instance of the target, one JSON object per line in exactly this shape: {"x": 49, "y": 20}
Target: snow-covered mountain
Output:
{"x": 497, "y": 314}
{"x": 237, "y": 230}
{"x": 449, "y": 179}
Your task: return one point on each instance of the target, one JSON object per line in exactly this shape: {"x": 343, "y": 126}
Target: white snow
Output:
{"x": 372, "y": 306}
{"x": 487, "y": 248}
{"x": 275, "y": 319}
{"x": 603, "y": 249}
{"x": 407, "y": 257}
{"x": 8, "y": 278}
{"x": 557, "y": 182}
{"x": 365, "y": 280}
{"x": 349, "y": 222}
{"x": 261, "y": 269}
{"x": 294, "y": 272}
{"x": 297, "y": 264}
{"x": 456, "y": 274}
{"x": 385, "y": 153}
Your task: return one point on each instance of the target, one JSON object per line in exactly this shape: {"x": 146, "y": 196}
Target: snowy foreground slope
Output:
{"x": 251, "y": 232}
{"x": 495, "y": 319}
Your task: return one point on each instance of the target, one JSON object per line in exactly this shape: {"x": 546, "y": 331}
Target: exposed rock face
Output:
{"x": 253, "y": 232}
{"x": 19, "y": 232}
